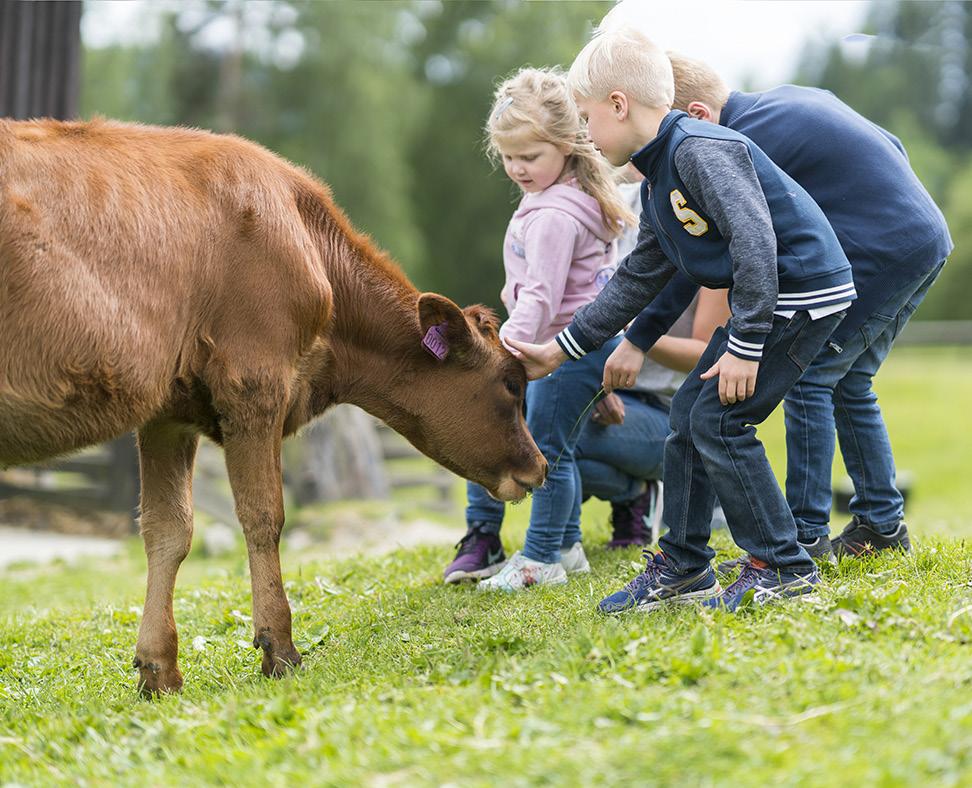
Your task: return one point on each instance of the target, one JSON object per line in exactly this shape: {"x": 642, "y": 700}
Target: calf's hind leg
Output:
{"x": 166, "y": 455}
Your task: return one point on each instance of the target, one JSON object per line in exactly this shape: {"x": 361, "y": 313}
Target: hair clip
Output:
{"x": 502, "y": 107}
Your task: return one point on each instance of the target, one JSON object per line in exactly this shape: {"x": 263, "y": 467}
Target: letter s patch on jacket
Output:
{"x": 691, "y": 221}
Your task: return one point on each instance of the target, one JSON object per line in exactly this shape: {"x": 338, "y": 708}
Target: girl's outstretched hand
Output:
{"x": 622, "y": 367}
{"x": 539, "y": 360}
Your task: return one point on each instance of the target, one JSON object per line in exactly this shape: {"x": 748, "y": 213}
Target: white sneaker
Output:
{"x": 520, "y": 572}
{"x": 574, "y": 561}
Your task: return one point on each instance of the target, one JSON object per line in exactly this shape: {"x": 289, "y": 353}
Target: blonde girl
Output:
{"x": 559, "y": 251}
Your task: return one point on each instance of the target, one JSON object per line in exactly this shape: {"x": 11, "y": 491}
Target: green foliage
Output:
{"x": 915, "y": 79}
{"x": 949, "y": 296}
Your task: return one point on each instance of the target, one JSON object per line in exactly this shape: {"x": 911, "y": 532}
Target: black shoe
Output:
{"x": 859, "y": 538}
{"x": 820, "y": 549}
{"x": 631, "y": 521}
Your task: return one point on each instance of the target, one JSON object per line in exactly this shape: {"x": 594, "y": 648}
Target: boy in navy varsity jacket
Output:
{"x": 718, "y": 211}
{"x": 896, "y": 241}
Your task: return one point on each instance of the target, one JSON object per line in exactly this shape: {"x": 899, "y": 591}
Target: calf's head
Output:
{"x": 467, "y": 405}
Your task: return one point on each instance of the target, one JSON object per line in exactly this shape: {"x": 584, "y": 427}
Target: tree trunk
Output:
{"x": 40, "y": 54}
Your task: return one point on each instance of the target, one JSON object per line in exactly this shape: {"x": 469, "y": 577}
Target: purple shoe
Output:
{"x": 631, "y": 521}
{"x": 480, "y": 555}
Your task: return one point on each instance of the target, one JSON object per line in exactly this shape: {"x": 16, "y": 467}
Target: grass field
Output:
{"x": 407, "y": 682}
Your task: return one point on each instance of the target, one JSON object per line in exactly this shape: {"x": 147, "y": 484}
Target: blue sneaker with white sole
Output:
{"x": 660, "y": 584}
{"x": 759, "y": 583}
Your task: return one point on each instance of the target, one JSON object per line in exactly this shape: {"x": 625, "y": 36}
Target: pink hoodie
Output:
{"x": 557, "y": 255}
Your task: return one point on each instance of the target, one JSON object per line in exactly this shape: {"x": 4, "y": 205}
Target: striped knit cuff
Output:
{"x": 573, "y": 342}
{"x": 748, "y": 346}
{"x": 814, "y": 298}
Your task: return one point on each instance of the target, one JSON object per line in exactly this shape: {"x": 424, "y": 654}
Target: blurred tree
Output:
{"x": 949, "y": 298}
{"x": 916, "y": 58}
{"x": 327, "y": 85}
{"x": 349, "y": 109}
{"x": 912, "y": 73}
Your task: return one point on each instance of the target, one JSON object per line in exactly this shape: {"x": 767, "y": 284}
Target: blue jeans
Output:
{"x": 713, "y": 451}
{"x": 835, "y": 393}
{"x": 554, "y": 405}
{"x": 615, "y": 459}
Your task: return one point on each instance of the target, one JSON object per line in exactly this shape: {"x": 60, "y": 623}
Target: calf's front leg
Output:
{"x": 253, "y": 465}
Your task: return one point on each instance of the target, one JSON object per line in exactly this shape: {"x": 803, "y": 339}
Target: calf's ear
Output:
{"x": 437, "y": 310}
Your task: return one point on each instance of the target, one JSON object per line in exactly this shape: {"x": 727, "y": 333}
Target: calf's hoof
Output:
{"x": 154, "y": 679}
{"x": 279, "y": 659}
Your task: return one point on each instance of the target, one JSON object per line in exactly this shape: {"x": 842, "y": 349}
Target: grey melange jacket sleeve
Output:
{"x": 722, "y": 180}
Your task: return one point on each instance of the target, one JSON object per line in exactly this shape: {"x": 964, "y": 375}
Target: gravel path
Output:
{"x": 24, "y": 544}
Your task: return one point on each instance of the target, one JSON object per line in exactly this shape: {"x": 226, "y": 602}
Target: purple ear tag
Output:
{"x": 435, "y": 341}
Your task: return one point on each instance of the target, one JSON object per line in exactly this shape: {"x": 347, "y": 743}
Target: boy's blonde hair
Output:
{"x": 536, "y": 100}
{"x": 623, "y": 59}
{"x": 697, "y": 81}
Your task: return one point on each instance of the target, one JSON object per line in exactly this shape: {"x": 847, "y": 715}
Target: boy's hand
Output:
{"x": 622, "y": 367}
{"x": 609, "y": 410}
{"x": 737, "y": 378}
{"x": 539, "y": 360}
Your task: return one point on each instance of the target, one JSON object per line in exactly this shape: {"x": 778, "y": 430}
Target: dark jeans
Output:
{"x": 835, "y": 393}
{"x": 614, "y": 460}
{"x": 713, "y": 451}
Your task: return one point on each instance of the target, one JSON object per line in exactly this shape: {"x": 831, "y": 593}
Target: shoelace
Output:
{"x": 467, "y": 543}
{"x": 652, "y": 570}
{"x": 748, "y": 572}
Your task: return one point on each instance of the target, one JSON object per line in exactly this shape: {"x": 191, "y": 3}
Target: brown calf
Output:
{"x": 177, "y": 282}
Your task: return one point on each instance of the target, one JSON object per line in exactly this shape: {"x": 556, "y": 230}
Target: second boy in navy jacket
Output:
{"x": 896, "y": 240}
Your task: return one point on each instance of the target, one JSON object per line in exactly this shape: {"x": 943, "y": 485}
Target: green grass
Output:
{"x": 407, "y": 682}
{"x": 411, "y": 682}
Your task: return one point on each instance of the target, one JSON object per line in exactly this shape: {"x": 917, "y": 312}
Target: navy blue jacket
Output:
{"x": 889, "y": 227}
{"x": 809, "y": 269}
